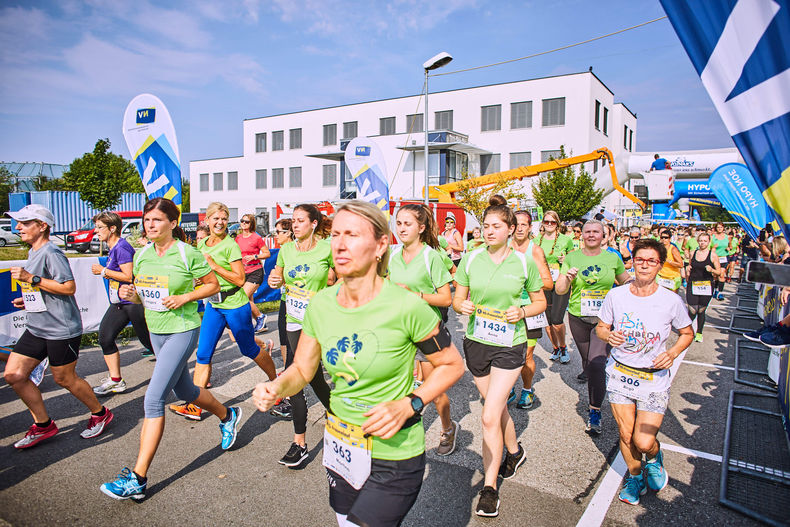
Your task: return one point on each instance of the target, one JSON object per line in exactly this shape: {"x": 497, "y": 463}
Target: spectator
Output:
{"x": 659, "y": 164}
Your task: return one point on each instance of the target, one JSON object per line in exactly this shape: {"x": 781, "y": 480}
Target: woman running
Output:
{"x": 54, "y": 329}
{"x": 588, "y": 274}
{"x": 418, "y": 267}
{"x": 702, "y": 271}
{"x": 165, "y": 271}
{"x": 367, "y": 331}
{"x": 476, "y": 241}
{"x": 636, "y": 321}
{"x": 496, "y": 337}
{"x": 669, "y": 274}
{"x": 283, "y": 234}
{"x": 304, "y": 267}
{"x": 253, "y": 252}
{"x": 117, "y": 272}
{"x": 719, "y": 242}
{"x": 555, "y": 246}
{"x": 454, "y": 239}
{"x": 230, "y": 307}
{"x": 577, "y": 235}
{"x": 522, "y": 242}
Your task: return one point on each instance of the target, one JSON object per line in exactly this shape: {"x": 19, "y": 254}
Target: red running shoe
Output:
{"x": 37, "y": 434}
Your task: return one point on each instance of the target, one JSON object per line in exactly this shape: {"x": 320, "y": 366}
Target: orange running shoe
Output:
{"x": 190, "y": 411}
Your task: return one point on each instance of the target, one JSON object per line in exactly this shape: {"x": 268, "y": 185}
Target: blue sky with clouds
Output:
{"x": 70, "y": 67}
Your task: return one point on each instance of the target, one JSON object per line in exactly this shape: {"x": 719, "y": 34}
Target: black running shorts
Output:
{"x": 481, "y": 357}
{"x": 59, "y": 351}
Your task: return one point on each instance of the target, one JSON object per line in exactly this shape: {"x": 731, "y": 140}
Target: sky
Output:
{"x": 69, "y": 68}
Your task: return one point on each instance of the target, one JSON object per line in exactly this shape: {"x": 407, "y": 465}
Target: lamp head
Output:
{"x": 442, "y": 59}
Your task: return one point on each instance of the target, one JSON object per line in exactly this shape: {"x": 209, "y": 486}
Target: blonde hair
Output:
{"x": 216, "y": 206}
{"x": 779, "y": 246}
{"x": 377, "y": 220}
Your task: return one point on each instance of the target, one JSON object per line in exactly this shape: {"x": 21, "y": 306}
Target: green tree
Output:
{"x": 474, "y": 199}
{"x": 184, "y": 195}
{"x": 568, "y": 194}
{"x": 6, "y": 186}
{"x": 101, "y": 177}
{"x": 714, "y": 214}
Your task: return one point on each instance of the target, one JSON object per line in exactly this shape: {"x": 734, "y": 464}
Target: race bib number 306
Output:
{"x": 347, "y": 451}
{"x": 491, "y": 326}
{"x": 591, "y": 302}
{"x": 152, "y": 291}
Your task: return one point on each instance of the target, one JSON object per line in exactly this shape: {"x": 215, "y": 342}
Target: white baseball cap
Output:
{"x": 33, "y": 212}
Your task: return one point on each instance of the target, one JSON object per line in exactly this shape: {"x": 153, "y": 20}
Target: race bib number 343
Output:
{"x": 347, "y": 451}
{"x": 491, "y": 326}
{"x": 152, "y": 291}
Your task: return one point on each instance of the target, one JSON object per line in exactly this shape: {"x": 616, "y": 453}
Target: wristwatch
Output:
{"x": 35, "y": 280}
{"x": 416, "y": 404}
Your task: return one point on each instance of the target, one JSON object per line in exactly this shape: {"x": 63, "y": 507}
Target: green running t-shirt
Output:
{"x": 307, "y": 270}
{"x": 554, "y": 251}
{"x": 369, "y": 352}
{"x": 223, "y": 253}
{"x": 596, "y": 273}
{"x": 425, "y": 273}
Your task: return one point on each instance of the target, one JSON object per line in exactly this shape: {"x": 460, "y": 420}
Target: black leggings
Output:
{"x": 320, "y": 387}
{"x": 115, "y": 319}
{"x": 697, "y": 305}
{"x": 594, "y": 352}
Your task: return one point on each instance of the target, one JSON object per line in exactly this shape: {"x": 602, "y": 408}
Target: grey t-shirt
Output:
{"x": 62, "y": 318}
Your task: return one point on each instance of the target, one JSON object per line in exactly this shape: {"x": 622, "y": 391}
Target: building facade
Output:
{"x": 299, "y": 157}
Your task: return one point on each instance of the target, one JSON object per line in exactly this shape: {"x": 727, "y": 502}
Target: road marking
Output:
{"x": 690, "y": 452}
{"x": 596, "y": 510}
{"x": 709, "y": 365}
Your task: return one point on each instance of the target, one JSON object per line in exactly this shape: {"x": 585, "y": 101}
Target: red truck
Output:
{"x": 80, "y": 240}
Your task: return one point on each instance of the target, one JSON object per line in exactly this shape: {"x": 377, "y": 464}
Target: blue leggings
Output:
{"x": 239, "y": 320}
{"x": 170, "y": 371}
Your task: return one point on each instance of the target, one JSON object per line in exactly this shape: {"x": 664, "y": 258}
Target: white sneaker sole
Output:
{"x": 489, "y": 514}
{"x": 116, "y": 497}
{"x": 455, "y": 438}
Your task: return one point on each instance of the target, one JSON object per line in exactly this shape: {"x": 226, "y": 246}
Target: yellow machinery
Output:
{"x": 446, "y": 193}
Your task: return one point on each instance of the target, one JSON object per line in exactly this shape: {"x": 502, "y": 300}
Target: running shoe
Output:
{"x": 282, "y": 409}
{"x": 145, "y": 353}
{"x": 110, "y": 386}
{"x": 555, "y": 354}
{"x": 565, "y": 357}
{"x": 488, "y": 503}
{"x": 447, "y": 441}
{"x": 655, "y": 474}
{"x": 37, "y": 375}
{"x": 260, "y": 323}
{"x": 698, "y": 337}
{"x": 230, "y": 427}
{"x": 633, "y": 487}
{"x": 526, "y": 400}
{"x": 96, "y": 424}
{"x": 125, "y": 486}
{"x": 36, "y": 434}
{"x": 594, "y": 422}
{"x": 512, "y": 397}
{"x": 754, "y": 336}
{"x": 582, "y": 377}
{"x": 719, "y": 296}
{"x": 778, "y": 338}
{"x": 188, "y": 410}
{"x": 295, "y": 455}
{"x": 512, "y": 462}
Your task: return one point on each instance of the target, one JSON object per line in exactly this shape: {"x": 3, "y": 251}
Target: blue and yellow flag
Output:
{"x": 365, "y": 161}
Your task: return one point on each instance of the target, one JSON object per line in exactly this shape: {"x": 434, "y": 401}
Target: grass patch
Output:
{"x": 269, "y": 307}
{"x": 20, "y": 253}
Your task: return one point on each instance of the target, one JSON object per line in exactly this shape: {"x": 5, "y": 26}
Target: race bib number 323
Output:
{"x": 31, "y": 296}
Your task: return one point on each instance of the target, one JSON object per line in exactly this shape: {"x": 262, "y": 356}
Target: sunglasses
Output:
{"x": 244, "y": 221}
{"x": 577, "y": 231}
{"x": 665, "y": 237}
{"x": 633, "y": 237}
{"x": 282, "y": 232}
{"x": 549, "y": 222}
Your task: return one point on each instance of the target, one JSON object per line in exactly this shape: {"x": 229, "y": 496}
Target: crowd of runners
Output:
{"x": 363, "y": 323}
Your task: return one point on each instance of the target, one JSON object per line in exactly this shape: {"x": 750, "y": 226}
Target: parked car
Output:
{"x": 80, "y": 240}
{"x": 127, "y": 228}
{"x": 6, "y": 236}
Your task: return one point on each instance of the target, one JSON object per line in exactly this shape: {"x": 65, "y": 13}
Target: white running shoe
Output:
{"x": 110, "y": 386}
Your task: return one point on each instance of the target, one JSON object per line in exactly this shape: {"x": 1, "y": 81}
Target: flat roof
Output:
{"x": 627, "y": 108}
{"x": 217, "y": 158}
{"x": 443, "y": 91}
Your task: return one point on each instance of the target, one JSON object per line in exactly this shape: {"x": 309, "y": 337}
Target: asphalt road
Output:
{"x": 193, "y": 482}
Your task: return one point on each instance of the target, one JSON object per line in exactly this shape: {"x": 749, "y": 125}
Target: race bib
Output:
{"x": 152, "y": 291}
{"x": 296, "y": 301}
{"x": 113, "y": 291}
{"x": 632, "y": 383}
{"x": 701, "y": 288}
{"x": 347, "y": 451}
{"x": 669, "y": 283}
{"x": 554, "y": 268}
{"x": 723, "y": 260}
{"x": 537, "y": 322}
{"x": 632, "y": 273}
{"x": 491, "y": 326}
{"x": 31, "y": 296}
{"x": 591, "y": 302}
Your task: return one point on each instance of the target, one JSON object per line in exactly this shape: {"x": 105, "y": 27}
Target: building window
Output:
{"x": 489, "y": 164}
{"x": 414, "y": 123}
{"x": 233, "y": 215}
{"x": 295, "y": 177}
{"x": 597, "y": 115}
{"x": 490, "y": 118}
{"x": 520, "y": 159}
{"x": 595, "y": 166}
{"x": 233, "y": 181}
{"x": 350, "y": 130}
{"x": 278, "y": 178}
{"x": 387, "y": 126}
{"x": 260, "y": 142}
{"x": 521, "y": 115}
{"x": 217, "y": 180}
{"x": 630, "y": 140}
{"x": 547, "y": 155}
{"x": 262, "y": 219}
{"x": 204, "y": 182}
{"x": 278, "y": 140}
{"x": 605, "y": 121}
{"x": 260, "y": 178}
{"x": 295, "y": 138}
{"x": 554, "y": 112}
{"x": 444, "y": 120}
{"x": 625, "y": 137}
{"x": 330, "y": 134}
{"x": 274, "y": 216}
{"x": 330, "y": 175}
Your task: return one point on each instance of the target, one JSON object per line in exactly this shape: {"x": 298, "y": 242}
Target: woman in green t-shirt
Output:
{"x": 367, "y": 330}
{"x": 229, "y": 308}
{"x": 418, "y": 267}
{"x": 589, "y": 274}
{"x": 555, "y": 246}
{"x": 304, "y": 267}
{"x": 490, "y": 281}
{"x": 165, "y": 271}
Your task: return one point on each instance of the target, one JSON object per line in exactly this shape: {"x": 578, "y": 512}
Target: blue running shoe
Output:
{"x": 526, "y": 400}
{"x": 754, "y": 336}
{"x": 126, "y": 486}
{"x": 512, "y": 397}
{"x": 594, "y": 422}
{"x": 555, "y": 354}
{"x": 655, "y": 473}
{"x": 779, "y": 337}
{"x": 565, "y": 357}
{"x": 633, "y": 487}
{"x": 230, "y": 427}
{"x": 260, "y": 323}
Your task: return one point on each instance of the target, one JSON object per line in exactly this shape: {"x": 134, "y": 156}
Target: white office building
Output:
{"x": 299, "y": 157}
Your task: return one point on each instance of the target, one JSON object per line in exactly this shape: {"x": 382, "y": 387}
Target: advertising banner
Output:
{"x": 365, "y": 161}
{"x": 151, "y": 140}
{"x": 735, "y": 187}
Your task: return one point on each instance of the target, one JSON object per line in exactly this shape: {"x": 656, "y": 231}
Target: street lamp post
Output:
{"x": 442, "y": 59}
